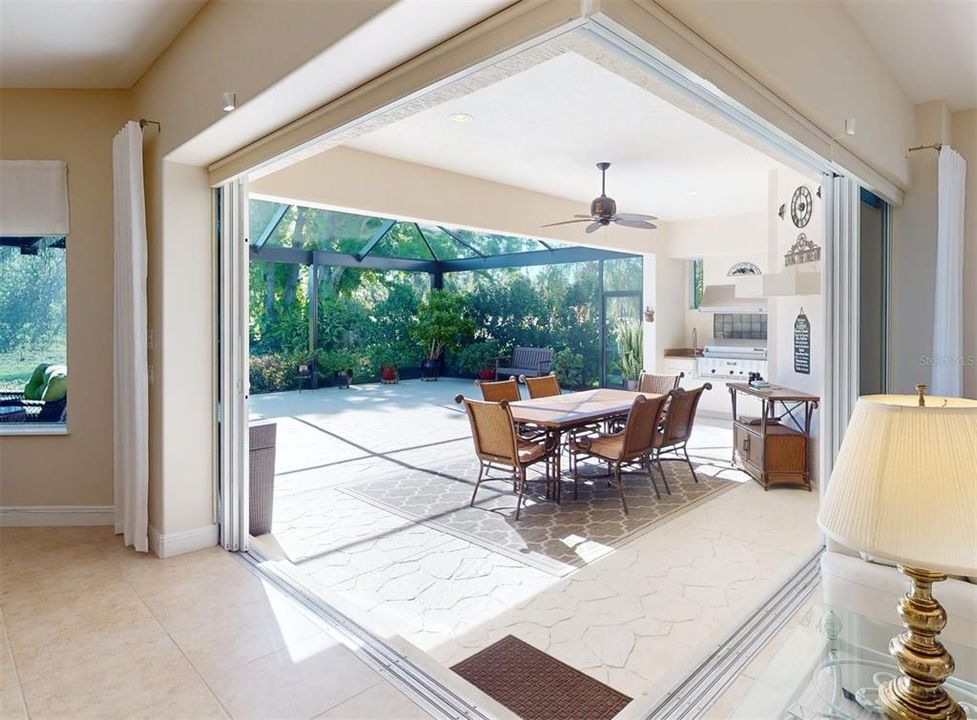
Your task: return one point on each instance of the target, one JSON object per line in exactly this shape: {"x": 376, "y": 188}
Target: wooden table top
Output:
{"x": 774, "y": 392}
{"x": 573, "y": 409}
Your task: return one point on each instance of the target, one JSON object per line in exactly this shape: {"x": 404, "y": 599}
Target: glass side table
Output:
{"x": 842, "y": 683}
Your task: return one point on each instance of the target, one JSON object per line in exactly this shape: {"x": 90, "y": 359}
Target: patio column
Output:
{"x": 313, "y": 320}
{"x": 437, "y": 280}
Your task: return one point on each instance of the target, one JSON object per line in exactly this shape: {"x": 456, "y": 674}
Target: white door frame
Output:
{"x": 617, "y": 25}
{"x": 233, "y": 377}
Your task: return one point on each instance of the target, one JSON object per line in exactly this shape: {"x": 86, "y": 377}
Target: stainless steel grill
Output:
{"x": 733, "y": 359}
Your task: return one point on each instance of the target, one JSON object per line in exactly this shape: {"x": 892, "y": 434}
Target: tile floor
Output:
{"x": 89, "y": 629}
{"x": 636, "y": 618}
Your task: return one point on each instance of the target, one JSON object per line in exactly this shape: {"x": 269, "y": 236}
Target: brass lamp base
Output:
{"x": 918, "y": 694}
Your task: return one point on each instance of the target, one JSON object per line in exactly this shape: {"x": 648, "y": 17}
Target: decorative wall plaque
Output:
{"x": 802, "y": 251}
{"x": 744, "y": 268}
{"x": 802, "y": 344}
{"x": 801, "y": 206}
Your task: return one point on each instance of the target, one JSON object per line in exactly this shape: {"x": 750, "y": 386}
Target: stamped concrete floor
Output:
{"x": 637, "y": 617}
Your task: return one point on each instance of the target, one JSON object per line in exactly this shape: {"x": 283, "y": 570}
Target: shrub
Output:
{"x": 568, "y": 368}
{"x": 330, "y": 362}
{"x": 478, "y": 356}
{"x": 396, "y": 354}
{"x": 275, "y": 372}
{"x": 442, "y": 323}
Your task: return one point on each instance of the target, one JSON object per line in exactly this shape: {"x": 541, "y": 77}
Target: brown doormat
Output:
{"x": 537, "y": 686}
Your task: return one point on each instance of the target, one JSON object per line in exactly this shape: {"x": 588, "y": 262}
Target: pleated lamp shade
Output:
{"x": 904, "y": 486}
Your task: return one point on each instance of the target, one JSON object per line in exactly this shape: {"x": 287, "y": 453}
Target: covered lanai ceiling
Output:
{"x": 544, "y": 129}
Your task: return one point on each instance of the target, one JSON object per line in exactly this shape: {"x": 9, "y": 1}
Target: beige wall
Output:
{"x": 76, "y": 126}
{"x": 913, "y": 256}
{"x": 964, "y": 139}
{"x": 245, "y": 47}
{"x": 248, "y": 47}
{"x": 813, "y": 56}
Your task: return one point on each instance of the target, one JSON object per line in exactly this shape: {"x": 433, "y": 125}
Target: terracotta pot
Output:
{"x": 388, "y": 373}
{"x": 486, "y": 374}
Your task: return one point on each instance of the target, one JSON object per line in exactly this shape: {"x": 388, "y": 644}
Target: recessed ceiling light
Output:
{"x": 460, "y": 117}
{"x": 692, "y": 193}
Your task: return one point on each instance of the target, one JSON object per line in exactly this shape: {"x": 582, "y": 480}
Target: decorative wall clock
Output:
{"x": 800, "y": 207}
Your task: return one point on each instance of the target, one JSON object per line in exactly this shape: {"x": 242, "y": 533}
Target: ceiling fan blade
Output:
{"x": 640, "y": 224}
{"x": 593, "y": 227}
{"x": 587, "y": 217}
{"x": 565, "y": 222}
{"x": 635, "y": 216}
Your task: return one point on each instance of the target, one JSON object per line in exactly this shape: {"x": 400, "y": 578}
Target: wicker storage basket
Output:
{"x": 262, "y": 469}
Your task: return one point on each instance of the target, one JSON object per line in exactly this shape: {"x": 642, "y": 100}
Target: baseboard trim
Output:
{"x": 56, "y": 515}
{"x": 178, "y": 543}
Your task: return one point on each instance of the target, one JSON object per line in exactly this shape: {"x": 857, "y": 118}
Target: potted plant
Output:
{"x": 441, "y": 326}
{"x": 340, "y": 364}
{"x": 630, "y": 341}
{"x": 386, "y": 358}
{"x": 479, "y": 358}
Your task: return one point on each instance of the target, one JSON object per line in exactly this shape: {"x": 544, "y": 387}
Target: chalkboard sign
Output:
{"x": 802, "y": 344}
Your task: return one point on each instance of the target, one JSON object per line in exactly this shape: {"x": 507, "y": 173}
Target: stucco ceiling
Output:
{"x": 544, "y": 129}
{"x": 90, "y": 44}
{"x": 930, "y": 48}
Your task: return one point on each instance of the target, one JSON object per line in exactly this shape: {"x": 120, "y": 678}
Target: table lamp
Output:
{"x": 904, "y": 489}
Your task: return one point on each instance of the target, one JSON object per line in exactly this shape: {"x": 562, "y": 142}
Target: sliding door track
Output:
{"x": 703, "y": 686}
{"x": 422, "y": 687}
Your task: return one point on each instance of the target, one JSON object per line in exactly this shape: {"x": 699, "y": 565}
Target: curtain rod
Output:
{"x": 934, "y": 146}
{"x": 143, "y": 122}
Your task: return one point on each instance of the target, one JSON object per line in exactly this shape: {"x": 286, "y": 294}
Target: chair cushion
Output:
{"x": 605, "y": 446}
{"x": 35, "y": 386}
{"x": 55, "y": 383}
{"x": 530, "y": 451}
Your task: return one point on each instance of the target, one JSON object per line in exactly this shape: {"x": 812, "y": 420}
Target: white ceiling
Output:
{"x": 90, "y": 44}
{"x": 545, "y": 128}
{"x": 930, "y": 47}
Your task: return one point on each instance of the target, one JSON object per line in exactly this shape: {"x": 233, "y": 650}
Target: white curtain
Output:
{"x": 947, "y": 376}
{"x": 131, "y": 381}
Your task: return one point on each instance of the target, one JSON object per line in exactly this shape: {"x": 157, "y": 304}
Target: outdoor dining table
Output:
{"x": 559, "y": 414}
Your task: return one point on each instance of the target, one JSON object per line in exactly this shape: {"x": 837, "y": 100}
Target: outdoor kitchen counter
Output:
{"x": 683, "y": 352}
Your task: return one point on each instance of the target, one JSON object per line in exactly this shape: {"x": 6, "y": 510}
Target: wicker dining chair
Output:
{"x": 658, "y": 384}
{"x": 499, "y": 390}
{"x": 541, "y": 387}
{"x": 675, "y": 431}
{"x": 634, "y": 445}
{"x": 498, "y": 443}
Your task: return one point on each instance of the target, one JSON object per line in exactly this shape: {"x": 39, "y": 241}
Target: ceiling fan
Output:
{"x": 603, "y": 211}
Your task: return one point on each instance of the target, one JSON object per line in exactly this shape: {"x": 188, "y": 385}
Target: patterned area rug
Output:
{"x": 537, "y": 686}
{"x": 554, "y": 538}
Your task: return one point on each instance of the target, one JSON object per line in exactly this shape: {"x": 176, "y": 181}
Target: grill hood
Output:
{"x": 722, "y": 299}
